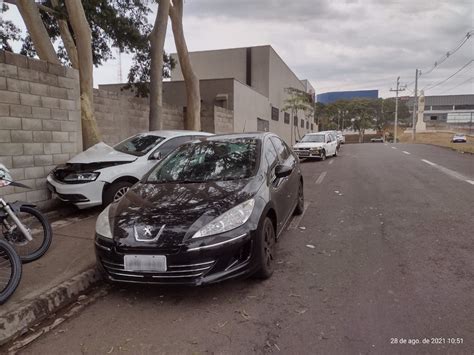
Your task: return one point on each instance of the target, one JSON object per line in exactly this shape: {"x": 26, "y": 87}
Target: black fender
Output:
{"x": 15, "y": 206}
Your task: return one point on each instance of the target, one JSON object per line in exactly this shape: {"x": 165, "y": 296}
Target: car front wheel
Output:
{"x": 116, "y": 191}
{"x": 266, "y": 249}
{"x": 323, "y": 155}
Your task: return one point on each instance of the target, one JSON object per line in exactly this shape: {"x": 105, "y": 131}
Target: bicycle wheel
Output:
{"x": 10, "y": 271}
{"x": 39, "y": 228}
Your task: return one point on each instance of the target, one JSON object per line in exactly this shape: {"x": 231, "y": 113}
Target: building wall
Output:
{"x": 328, "y": 97}
{"x": 39, "y": 122}
{"x": 223, "y": 120}
{"x": 174, "y": 92}
{"x": 230, "y": 63}
{"x": 248, "y": 105}
{"x": 120, "y": 115}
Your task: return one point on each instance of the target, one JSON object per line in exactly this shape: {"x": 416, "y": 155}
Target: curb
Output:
{"x": 18, "y": 321}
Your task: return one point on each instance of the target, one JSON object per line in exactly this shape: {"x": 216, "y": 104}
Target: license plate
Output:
{"x": 150, "y": 263}
{"x": 303, "y": 154}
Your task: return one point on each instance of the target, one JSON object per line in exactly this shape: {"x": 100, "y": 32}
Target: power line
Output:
{"x": 458, "y": 85}
{"x": 449, "y": 77}
{"x": 448, "y": 54}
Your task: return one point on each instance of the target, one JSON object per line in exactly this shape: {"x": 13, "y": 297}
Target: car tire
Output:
{"x": 299, "y": 209}
{"x": 115, "y": 191}
{"x": 323, "y": 155}
{"x": 265, "y": 244}
{"x": 335, "y": 153}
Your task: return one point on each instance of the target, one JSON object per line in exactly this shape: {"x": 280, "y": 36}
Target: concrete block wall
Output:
{"x": 39, "y": 122}
{"x": 223, "y": 120}
{"x": 120, "y": 115}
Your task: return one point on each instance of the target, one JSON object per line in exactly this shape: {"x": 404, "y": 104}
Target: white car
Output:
{"x": 316, "y": 145}
{"x": 459, "y": 138}
{"x": 103, "y": 174}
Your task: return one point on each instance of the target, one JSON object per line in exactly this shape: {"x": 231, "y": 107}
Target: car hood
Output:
{"x": 101, "y": 152}
{"x": 181, "y": 208}
{"x": 308, "y": 145}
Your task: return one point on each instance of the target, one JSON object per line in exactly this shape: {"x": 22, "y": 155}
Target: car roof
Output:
{"x": 255, "y": 135}
{"x": 177, "y": 132}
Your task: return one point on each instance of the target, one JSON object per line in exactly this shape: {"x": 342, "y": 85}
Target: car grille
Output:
{"x": 302, "y": 149}
{"x": 176, "y": 272}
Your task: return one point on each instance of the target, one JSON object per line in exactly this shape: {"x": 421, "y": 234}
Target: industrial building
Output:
{"x": 249, "y": 81}
{"x": 329, "y": 97}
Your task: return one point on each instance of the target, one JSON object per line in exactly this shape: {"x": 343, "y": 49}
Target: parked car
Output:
{"x": 377, "y": 140}
{"x": 341, "y": 137}
{"x": 211, "y": 210}
{"x": 103, "y": 174}
{"x": 316, "y": 145}
{"x": 459, "y": 138}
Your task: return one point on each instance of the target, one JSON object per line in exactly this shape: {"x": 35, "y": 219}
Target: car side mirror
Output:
{"x": 282, "y": 171}
{"x": 297, "y": 141}
{"x": 156, "y": 156}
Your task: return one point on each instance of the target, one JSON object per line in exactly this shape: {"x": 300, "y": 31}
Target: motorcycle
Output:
{"x": 22, "y": 225}
{"x": 10, "y": 271}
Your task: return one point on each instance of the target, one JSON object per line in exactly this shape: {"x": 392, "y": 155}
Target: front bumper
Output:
{"x": 82, "y": 195}
{"x": 185, "y": 266}
{"x": 310, "y": 153}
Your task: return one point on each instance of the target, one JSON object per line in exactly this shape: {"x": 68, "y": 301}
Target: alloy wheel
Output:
{"x": 121, "y": 192}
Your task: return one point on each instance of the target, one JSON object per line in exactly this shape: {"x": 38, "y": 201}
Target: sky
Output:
{"x": 336, "y": 44}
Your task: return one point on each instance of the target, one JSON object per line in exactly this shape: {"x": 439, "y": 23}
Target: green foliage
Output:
{"x": 121, "y": 24}
{"x": 298, "y": 100}
{"x": 8, "y": 31}
{"x": 360, "y": 114}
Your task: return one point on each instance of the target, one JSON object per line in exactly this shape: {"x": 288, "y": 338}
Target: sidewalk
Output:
{"x": 55, "y": 280}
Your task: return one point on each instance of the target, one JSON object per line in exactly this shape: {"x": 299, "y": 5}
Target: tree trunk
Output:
{"x": 82, "y": 32}
{"x": 193, "y": 95}
{"x": 68, "y": 41}
{"x": 157, "y": 41}
{"x": 31, "y": 16}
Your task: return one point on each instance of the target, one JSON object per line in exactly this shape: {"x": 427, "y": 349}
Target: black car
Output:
{"x": 211, "y": 210}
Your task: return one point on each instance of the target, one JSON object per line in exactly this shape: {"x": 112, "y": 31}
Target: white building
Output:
{"x": 249, "y": 81}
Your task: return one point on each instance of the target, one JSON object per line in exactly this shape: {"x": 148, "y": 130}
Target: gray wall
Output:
{"x": 120, "y": 115}
{"x": 39, "y": 122}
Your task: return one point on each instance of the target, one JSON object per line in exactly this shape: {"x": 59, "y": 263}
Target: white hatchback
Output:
{"x": 103, "y": 174}
{"x": 316, "y": 145}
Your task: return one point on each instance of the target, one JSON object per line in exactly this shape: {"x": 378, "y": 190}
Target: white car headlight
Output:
{"x": 81, "y": 177}
{"x": 102, "y": 225}
{"x": 227, "y": 221}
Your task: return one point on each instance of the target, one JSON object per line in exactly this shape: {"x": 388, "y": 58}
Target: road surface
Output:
{"x": 380, "y": 263}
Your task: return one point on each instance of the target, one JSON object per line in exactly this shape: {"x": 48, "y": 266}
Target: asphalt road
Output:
{"x": 383, "y": 254}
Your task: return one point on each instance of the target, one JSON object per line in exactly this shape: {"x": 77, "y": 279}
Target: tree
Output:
{"x": 363, "y": 114}
{"x": 83, "y": 39}
{"x": 157, "y": 42}
{"x": 8, "y": 31}
{"x": 118, "y": 24}
{"x": 297, "y": 100}
{"x": 193, "y": 94}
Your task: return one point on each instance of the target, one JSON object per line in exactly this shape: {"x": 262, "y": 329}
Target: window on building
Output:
{"x": 307, "y": 125}
{"x": 286, "y": 118}
{"x": 275, "y": 113}
{"x": 302, "y": 123}
{"x": 312, "y": 127}
{"x": 295, "y": 121}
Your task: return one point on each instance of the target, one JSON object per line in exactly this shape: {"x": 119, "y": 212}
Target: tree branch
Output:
{"x": 66, "y": 36}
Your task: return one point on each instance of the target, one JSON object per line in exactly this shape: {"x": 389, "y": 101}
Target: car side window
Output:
{"x": 281, "y": 148}
{"x": 170, "y": 145}
{"x": 271, "y": 154}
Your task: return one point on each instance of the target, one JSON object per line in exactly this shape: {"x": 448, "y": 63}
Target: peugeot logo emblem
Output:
{"x": 147, "y": 232}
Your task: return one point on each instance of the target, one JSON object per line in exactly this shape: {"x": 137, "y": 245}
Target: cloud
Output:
{"x": 340, "y": 44}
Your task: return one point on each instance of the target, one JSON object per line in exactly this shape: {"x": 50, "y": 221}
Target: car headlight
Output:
{"x": 227, "y": 221}
{"x": 81, "y": 177}
{"x": 102, "y": 225}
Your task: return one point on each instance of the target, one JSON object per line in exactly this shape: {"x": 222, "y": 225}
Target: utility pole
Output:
{"x": 396, "y": 109}
{"x": 415, "y": 107}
